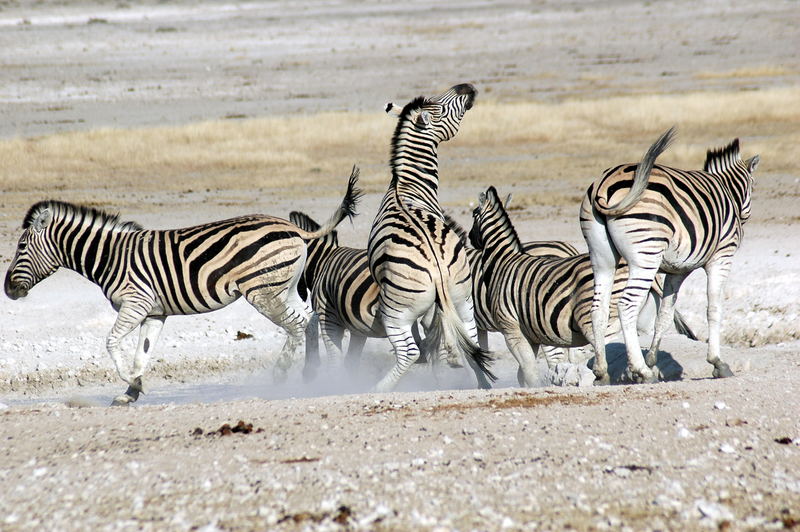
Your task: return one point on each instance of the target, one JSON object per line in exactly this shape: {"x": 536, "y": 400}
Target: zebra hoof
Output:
{"x": 722, "y": 370}
{"x": 603, "y": 379}
{"x": 123, "y": 400}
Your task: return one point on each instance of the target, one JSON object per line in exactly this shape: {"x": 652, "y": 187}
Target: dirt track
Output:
{"x": 682, "y": 455}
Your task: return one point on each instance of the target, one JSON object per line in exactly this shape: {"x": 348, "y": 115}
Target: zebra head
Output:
{"x": 35, "y": 258}
{"x": 491, "y": 224}
{"x": 437, "y": 118}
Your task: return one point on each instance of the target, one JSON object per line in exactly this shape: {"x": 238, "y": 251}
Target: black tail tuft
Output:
{"x": 353, "y": 194}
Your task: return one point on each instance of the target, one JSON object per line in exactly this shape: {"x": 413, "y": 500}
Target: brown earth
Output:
{"x": 691, "y": 454}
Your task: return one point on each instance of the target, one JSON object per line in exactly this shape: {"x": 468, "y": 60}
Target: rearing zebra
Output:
{"x": 662, "y": 219}
{"x": 418, "y": 262}
{"x": 148, "y": 275}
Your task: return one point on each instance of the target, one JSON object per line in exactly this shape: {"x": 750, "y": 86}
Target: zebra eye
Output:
{"x": 23, "y": 244}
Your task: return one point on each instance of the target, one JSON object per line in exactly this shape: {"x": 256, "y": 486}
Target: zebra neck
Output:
{"x": 89, "y": 253}
{"x": 415, "y": 174}
{"x": 501, "y": 238}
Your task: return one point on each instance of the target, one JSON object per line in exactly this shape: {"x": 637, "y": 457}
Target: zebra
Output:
{"x": 480, "y": 298}
{"x": 533, "y": 300}
{"x": 343, "y": 295}
{"x": 148, "y": 275}
{"x": 662, "y": 219}
{"x": 420, "y": 265}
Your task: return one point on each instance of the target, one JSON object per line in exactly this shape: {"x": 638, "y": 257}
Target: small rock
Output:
{"x": 720, "y": 405}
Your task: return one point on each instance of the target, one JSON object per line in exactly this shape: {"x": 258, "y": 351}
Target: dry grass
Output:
{"x": 754, "y": 72}
{"x": 499, "y": 143}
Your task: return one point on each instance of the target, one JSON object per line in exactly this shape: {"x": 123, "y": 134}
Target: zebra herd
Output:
{"x": 647, "y": 226}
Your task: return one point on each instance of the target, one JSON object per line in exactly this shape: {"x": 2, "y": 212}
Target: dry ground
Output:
{"x": 177, "y": 113}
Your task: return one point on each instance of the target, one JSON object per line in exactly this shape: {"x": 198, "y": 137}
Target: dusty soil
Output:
{"x": 688, "y": 454}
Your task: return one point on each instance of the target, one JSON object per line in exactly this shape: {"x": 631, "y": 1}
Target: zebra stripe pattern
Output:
{"x": 662, "y": 219}
{"x": 343, "y": 295}
{"x": 148, "y": 275}
{"x": 420, "y": 264}
{"x": 480, "y": 297}
{"x": 533, "y": 300}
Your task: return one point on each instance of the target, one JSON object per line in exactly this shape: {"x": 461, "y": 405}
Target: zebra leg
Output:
{"x": 423, "y": 354}
{"x": 640, "y": 279}
{"x": 354, "y": 348}
{"x": 332, "y": 336}
{"x": 288, "y": 312}
{"x": 148, "y": 336}
{"x": 666, "y": 312}
{"x": 604, "y": 258}
{"x": 405, "y": 350}
{"x": 483, "y": 339}
{"x": 525, "y": 355}
{"x": 312, "y": 349}
{"x": 553, "y": 355}
{"x": 466, "y": 311}
{"x": 601, "y": 306}
{"x": 128, "y": 318}
{"x": 716, "y": 273}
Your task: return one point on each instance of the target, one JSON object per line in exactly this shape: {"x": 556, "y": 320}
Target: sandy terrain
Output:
{"x": 695, "y": 453}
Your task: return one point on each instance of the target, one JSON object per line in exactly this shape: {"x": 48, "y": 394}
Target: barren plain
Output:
{"x": 175, "y": 113}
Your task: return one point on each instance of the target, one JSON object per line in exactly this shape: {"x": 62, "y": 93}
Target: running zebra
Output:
{"x": 420, "y": 264}
{"x": 661, "y": 219}
{"x": 480, "y": 297}
{"x": 148, "y": 275}
{"x": 343, "y": 295}
{"x": 534, "y": 300}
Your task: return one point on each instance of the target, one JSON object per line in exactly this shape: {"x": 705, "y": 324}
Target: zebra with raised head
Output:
{"x": 662, "y": 219}
{"x": 420, "y": 264}
{"x": 148, "y": 275}
{"x": 343, "y": 295}
{"x": 534, "y": 300}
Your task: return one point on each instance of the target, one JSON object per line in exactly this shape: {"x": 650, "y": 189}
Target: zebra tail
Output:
{"x": 447, "y": 334}
{"x": 682, "y": 327}
{"x": 346, "y": 209}
{"x": 641, "y": 177}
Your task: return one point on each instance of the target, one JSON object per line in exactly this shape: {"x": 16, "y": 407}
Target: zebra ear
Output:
{"x": 481, "y": 199}
{"x": 507, "y": 202}
{"x": 42, "y": 220}
{"x": 423, "y": 119}
{"x": 393, "y": 110}
{"x": 752, "y": 163}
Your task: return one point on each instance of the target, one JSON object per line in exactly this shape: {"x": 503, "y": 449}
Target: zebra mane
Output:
{"x": 504, "y": 219}
{"x": 413, "y": 105}
{"x": 71, "y": 210}
{"x": 722, "y": 158}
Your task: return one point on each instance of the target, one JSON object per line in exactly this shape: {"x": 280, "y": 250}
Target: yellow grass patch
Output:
{"x": 499, "y": 143}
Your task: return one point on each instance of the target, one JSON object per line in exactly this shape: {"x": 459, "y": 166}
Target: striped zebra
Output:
{"x": 420, "y": 264}
{"x": 661, "y": 219}
{"x": 343, "y": 295}
{"x": 148, "y": 275}
{"x": 480, "y": 297}
{"x": 534, "y": 300}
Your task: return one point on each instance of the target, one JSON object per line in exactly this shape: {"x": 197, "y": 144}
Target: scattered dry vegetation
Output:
{"x": 500, "y": 143}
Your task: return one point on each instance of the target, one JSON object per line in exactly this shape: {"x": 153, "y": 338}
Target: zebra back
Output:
{"x": 340, "y": 284}
{"x": 696, "y": 214}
